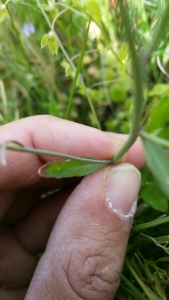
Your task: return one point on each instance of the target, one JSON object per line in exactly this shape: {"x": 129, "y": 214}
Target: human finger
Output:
{"x": 54, "y": 134}
{"x": 16, "y": 205}
{"x": 33, "y": 231}
{"x": 86, "y": 249}
{"x": 17, "y": 294}
{"x": 22, "y": 242}
{"x": 135, "y": 155}
{"x": 16, "y": 264}
{"x": 48, "y": 133}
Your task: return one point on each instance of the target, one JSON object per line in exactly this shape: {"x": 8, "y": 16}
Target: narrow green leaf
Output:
{"x": 132, "y": 287}
{"x": 70, "y": 168}
{"x": 158, "y": 162}
{"x": 151, "y": 295}
{"x": 159, "y": 115}
{"x": 159, "y": 287}
{"x": 150, "y": 224}
{"x": 94, "y": 8}
{"x": 162, "y": 239}
{"x": 77, "y": 73}
{"x": 52, "y": 107}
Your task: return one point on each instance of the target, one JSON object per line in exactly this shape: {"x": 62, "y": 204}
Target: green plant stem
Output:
{"x": 154, "y": 138}
{"x": 151, "y": 224}
{"x": 146, "y": 289}
{"x": 163, "y": 247}
{"x": 109, "y": 82}
{"x": 77, "y": 73}
{"x": 164, "y": 283}
{"x": 100, "y": 26}
{"x": 4, "y": 98}
{"x": 63, "y": 11}
{"x": 58, "y": 16}
{"x": 103, "y": 76}
{"x": 132, "y": 288}
{"x": 138, "y": 86}
{"x": 7, "y": 2}
{"x": 50, "y": 153}
{"x": 70, "y": 8}
{"x": 160, "y": 30}
{"x": 104, "y": 33}
{"x": 70, "y": 62}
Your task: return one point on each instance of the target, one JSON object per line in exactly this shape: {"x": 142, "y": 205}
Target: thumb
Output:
{"x": 86, "y": 249}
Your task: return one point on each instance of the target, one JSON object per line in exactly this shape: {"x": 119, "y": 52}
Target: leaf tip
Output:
{"x": 41, "y": 171}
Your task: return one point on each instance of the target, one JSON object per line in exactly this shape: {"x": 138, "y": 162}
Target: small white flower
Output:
{"x": 94, "y": 31}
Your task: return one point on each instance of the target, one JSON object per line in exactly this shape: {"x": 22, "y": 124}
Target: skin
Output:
{"x": 84, "y": 237}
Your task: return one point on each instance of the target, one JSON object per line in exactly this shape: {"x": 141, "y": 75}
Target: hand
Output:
{"x": 84, "y": 225}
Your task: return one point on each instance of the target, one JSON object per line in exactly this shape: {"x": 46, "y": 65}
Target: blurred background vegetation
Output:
{"x": 33, "y": 81}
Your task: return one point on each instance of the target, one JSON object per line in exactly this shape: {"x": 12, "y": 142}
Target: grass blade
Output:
{"x": 133, "y": 289}
{"x": 146, "y": 289}
{"x": 77, "y": 73}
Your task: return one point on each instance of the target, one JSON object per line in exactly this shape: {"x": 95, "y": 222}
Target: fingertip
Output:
{"x": 135, "y": 155}
{"x": 88, "y": 240}
{"x": 122, "y": 188}
{"x": 117, "y": 144}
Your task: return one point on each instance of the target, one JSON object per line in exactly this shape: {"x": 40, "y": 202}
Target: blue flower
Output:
{"x": 28, "y": 29}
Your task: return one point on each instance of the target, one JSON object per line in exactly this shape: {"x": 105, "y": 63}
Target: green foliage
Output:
{"x": 3, "y": 12}
{"x": 159, "y": 116}
{"x": 151, "y": 293}
{"x": 69, "y": 168}
{"x": 94, "y": 9}
{"x": 67, "y": 68}
{"x": 50, "y": 41}
{"x": 52, "y": 107}
{"x": 75, "y": 2}
{"x": 117, "y": 92}
{"x": 151, "y": 192}
{"x": 158, "y": 162}
{"x": 164, "y": 132}
{"x": 96, "y": 77}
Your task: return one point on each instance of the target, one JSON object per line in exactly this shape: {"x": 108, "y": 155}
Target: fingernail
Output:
{"x": 122, "y": 188}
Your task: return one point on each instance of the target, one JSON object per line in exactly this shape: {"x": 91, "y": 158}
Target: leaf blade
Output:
{"x": 94, "y": 9}
{"x": 70, "y": 168}
{"x": 159, "y": 116}
{"x": 151, "y": 193}
{"x": 158, "y": 162}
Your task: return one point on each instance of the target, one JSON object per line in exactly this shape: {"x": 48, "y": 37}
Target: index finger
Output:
{"x": 54, "y": 134}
